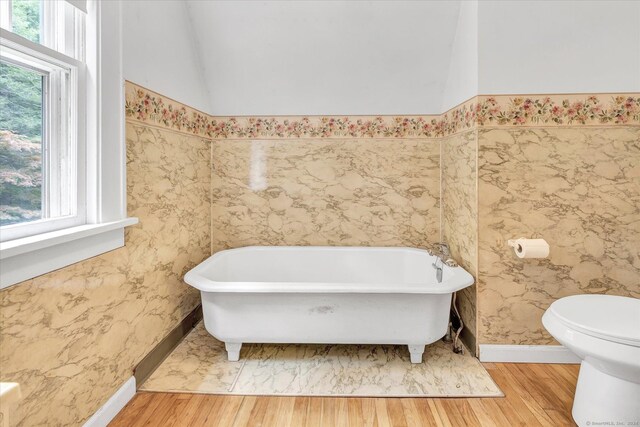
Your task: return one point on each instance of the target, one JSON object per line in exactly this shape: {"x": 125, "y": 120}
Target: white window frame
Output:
{"x": 63, "y": 132}
{"x": 105, "y": 174}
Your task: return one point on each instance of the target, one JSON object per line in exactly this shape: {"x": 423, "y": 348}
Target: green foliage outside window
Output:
{"x": 21, "y": 101}
{"x": 25, "y": 19}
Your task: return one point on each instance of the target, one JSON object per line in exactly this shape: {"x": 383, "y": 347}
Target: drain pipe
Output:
{"x": 444, "y": 252}
{"x": 457, "y": 347}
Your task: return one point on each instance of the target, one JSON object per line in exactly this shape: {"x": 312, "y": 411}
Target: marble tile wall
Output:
{"x": 73, "y": 336}
{"x": 460, "y": 216}
{"x": 578, "y": 188}
{"x": 345, "y": 192}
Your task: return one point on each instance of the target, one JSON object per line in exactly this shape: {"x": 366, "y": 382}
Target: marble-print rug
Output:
{"x": 199, "y": 365}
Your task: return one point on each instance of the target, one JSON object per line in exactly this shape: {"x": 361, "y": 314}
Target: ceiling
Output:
{"x": 324, "y": 57}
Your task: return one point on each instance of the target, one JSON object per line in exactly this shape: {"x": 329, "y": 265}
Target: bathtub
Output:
{"x": 325, "y": 295}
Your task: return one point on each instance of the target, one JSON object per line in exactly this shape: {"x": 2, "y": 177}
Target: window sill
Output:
{"x": 26, "y": 258}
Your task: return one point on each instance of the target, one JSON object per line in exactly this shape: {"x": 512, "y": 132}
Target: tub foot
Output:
{"x": 233, "y": 350}
{"x": 415, "y": 351}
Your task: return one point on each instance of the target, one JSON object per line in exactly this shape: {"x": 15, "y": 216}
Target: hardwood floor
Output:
{"x": 536, "y": 395}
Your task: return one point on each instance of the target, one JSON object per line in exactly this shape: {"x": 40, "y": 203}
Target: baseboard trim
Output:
{"x": 110, "y": 409}
{"x": 526, "y": 354}
{"x": 154, "y": 358}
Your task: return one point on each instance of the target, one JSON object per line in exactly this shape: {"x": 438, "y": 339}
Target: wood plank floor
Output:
{"x": 536, "y": 395}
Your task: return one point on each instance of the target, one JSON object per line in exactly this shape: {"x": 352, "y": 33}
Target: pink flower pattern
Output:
{"x": 545, "y": 111}
{"x": 146, "y": 106}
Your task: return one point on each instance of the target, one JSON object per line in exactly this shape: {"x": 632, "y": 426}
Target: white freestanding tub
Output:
{"x": 326, "y": 295}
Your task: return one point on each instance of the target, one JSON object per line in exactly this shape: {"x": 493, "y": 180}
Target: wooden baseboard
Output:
{"x": 151, "y": 361}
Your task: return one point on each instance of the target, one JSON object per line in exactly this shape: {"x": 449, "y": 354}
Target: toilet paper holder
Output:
{"x": 515, "y": 245}
{"x": 529, "y": 248}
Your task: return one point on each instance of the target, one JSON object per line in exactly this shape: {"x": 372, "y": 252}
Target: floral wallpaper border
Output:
{"x": 560, "y": 110}
{"x": 510, "y": 111}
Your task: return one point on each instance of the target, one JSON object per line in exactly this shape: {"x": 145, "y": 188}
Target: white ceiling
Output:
{"x": 324, "y": 57}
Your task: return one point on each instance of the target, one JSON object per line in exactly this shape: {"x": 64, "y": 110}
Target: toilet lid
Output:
{"x": 609, "y": 317}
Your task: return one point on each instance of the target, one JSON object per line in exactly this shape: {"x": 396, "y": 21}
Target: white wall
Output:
{"x": 304, "y": 58}
{"x": 323, "y": 57}
{"x": 160, "y": 51}
{"x": 462, "y": 79}
{"x": 559, "y": 46}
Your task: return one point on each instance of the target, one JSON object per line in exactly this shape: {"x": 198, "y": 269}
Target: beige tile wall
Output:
{"x": 372, "y": 192}
{"x": 460, "y": 215}
{"x": 576, "y": 187}
{"x": 303, "y": 180}
{"x": 73, "y": 336}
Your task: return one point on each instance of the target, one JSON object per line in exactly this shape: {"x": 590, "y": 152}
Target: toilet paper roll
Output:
{"x": 530, "y": 248}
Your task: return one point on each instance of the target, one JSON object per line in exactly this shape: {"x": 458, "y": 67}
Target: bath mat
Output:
{"x": 199, "y": 365}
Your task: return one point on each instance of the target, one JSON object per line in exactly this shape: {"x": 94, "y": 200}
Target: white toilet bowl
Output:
{"x": 604, "y": 331}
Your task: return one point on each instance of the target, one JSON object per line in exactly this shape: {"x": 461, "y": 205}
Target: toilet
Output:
{"x": 604, "y": 331}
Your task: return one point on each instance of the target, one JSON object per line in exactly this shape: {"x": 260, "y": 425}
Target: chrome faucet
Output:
{"x": 438, "y": 270}
{"x": 444, "y": 250}
{"x": 442, "y": 255}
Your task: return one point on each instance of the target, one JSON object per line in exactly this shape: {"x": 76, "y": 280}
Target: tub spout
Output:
{"x": 438, "y": 271}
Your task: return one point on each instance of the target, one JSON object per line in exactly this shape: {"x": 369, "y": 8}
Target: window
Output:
{"x": 62, "y": 151}
{"x": 42, "y": 120}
